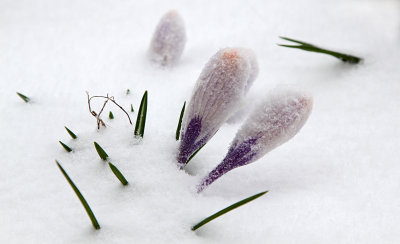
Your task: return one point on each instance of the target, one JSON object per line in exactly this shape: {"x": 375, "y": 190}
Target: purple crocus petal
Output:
{"x": 217, "y": 92}
{"x": 271, "y": 124}
{"x": 168, "y": 40}
{"x": 189, "y": 137}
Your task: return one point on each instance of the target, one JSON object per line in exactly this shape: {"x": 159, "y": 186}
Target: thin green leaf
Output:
{"x": 67, "y": 148}
{"x": 102, "y": 154}
{"x": 111, "y": 115}
{"x": 225, "y": 210}
{"x": 131, "y": 108}
{"x": 72, "y": 134}
{"x": 178, "y": 129}
{"x": 297, "y": 41}
{"x": 194, "y": 154}
{"x": 118, "y": 174}
{"x": 23, "y": 97}
{"x": 81, "y": 198}
{"x": 312, "y": 48}
{"x": 141, "y": 117}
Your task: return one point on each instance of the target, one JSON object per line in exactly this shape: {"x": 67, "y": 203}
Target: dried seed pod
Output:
{"x": 218, "y": 90}
{"x": 168, "y": 40}
{"x": 274, "y": 122}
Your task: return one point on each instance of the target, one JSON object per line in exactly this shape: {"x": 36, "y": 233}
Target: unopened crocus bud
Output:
{"x": 271, "y": 124}
{"x": 253, "y": 73}
{"x": 242, "y": 108}
{"x": 218, "y": 90}
{"x": 168, "y": 40}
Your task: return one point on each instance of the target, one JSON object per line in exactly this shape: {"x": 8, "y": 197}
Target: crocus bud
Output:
{"x": 242, "y": 108}
{"x": 251, "y": 58}
{"x": 271, "y": 124}
{"x": 218, "y": 90}
{"x": 168, "y": 40}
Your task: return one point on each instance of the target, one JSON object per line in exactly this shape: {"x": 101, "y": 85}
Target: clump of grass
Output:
{"x": 118, "y": 174}
{"x": 312, "y": 48}
{"x": 81, "y": 198}
{"x": 102, "y": 154}
{"x": 141, "y": 117}
{"x": 225, "y": 210}
{"x": 111, "y": 115}
{"x": 72, "y": 134}
{"x": 23, "y": 97}
{"x": 178, "y": 129}
{"x": 67, "y": 148}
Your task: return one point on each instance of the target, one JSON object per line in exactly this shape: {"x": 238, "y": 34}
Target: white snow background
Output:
{"x": 337, "y": 181}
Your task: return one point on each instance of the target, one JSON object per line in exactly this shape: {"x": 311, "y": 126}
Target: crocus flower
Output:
{"x": 168, "y": 40}
{"x": 271, "y": 124}
{"x": 221, "y": 85}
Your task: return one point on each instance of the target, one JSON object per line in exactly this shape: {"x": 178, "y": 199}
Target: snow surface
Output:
{"x": 337, "y": 181}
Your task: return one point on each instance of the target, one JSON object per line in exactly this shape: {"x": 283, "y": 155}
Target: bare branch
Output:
{"x": 97, "y": 116}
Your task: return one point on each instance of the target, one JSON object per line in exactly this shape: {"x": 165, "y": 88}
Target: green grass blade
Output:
{"x": 72, "y": 134}
{"x": 118, "y": 174}
{"x": 102, "y": 154}
{"x": 81, "y": 198}
{"x": 23, "y": 97}
{"x": 178, "y": 129}
{"x": 296, "y": 41}
{"x": 111, "y": 115}
{"x": 225, "y": 210}
{"x": 312, "y": 48}
{"x": 67, "y": 148}
{"x": 291, "y": 46}
{"x": 194, "y": 154}
{"x": 141, "y": 117}
{"x": 132, "y": 108}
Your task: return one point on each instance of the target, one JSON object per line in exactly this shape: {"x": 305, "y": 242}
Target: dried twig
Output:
{"x": 97, "y": 115}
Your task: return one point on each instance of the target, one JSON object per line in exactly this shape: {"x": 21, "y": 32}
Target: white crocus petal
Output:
{"x": 218, "y": 90}
{"x": 272, "y": 123}
{"x": 276, "y": 120}
{"x": 168, "y": 39}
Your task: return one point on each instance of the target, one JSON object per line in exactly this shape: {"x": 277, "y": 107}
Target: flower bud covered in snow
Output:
{"x": 221, "y": 85}
{"x": 271, "y": 124}
{"x": 241, "y": 108}
{"x": 168, "y": 40}
{"x": 253, "y": 73}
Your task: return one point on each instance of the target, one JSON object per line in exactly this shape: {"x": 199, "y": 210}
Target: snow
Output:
{"x": 337, "y": 181}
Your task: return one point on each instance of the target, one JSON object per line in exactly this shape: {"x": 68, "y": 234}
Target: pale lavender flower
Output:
{"x": 271, "y": 124}
{"x": 253, "y": 73}
{"x": 168, "y": 40}
{"x": 221, "y": 85}
{"x": 242, "y": 107}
